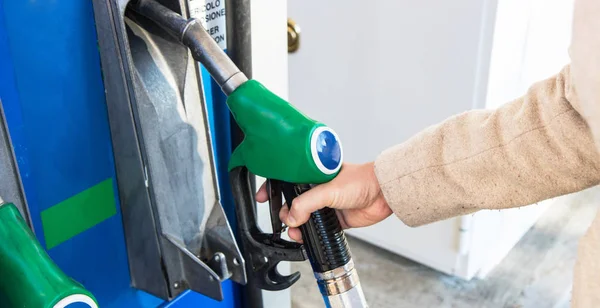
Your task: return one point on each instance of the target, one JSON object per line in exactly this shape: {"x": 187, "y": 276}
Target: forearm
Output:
{"x": 531, "y": 149}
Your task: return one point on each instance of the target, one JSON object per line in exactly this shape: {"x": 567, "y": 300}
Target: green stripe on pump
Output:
{"x": 88, "y": 208}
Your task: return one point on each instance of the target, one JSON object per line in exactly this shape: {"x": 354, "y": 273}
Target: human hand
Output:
{"x": 354, "y": 193}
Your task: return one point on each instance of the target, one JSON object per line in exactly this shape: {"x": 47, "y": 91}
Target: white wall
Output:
{"x": 530, "y": 44}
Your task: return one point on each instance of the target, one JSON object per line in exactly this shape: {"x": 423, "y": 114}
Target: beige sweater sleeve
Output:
{"x": 528, "y": 150}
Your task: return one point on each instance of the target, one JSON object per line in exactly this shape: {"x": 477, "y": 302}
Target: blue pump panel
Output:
{"x": 53, "y": 97}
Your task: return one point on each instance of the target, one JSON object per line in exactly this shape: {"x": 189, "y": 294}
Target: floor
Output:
{"x": 536, "y": 273}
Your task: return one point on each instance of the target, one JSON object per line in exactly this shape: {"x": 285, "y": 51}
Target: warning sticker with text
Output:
{"x": 212, "y": 15}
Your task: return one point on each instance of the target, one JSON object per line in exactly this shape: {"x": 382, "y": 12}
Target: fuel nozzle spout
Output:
{"x": 192, "y": 34}
{"x": 341, "y": 287}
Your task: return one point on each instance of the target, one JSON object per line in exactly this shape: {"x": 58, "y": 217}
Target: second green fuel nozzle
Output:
{"x": 288, "y": 148}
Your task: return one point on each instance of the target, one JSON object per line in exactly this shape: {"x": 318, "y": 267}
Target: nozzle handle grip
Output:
{"x": 323, "y": 236}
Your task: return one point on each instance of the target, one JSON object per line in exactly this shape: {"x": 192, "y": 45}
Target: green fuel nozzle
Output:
{"x": 280, "y": 142}
{"x": 293, "y": 152}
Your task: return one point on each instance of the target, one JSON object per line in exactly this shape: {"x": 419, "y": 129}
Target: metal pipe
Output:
{"x": 206, "y": 51}
{"x": 239, "y": 49}
{"x": 166, "y": 18}
{"x": 239, "y": 34}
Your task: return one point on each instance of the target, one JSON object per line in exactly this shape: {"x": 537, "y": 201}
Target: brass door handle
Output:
{"x": 293, "y": 36}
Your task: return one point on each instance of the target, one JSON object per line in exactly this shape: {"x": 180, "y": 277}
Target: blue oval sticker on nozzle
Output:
{"x": 326, "y": 150}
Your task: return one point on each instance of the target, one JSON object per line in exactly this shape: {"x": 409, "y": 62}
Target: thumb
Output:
{"x": 316, "y": 198}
